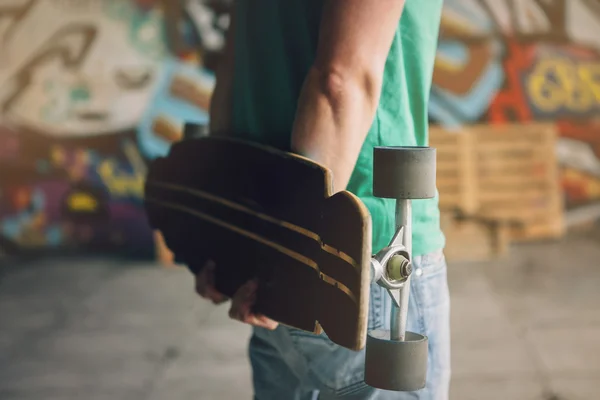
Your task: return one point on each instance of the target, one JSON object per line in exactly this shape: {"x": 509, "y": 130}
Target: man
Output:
{"x": 331, "y": 79}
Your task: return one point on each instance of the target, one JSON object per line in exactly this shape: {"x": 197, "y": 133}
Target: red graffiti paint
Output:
{"x": 587, "y": 131}
{"x": 511, "y": 103}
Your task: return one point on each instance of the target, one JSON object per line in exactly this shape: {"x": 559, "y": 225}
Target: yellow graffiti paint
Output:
{"x": 57, "y": 155}
{"x": 590, "y": 76}
{"x": 82, "y": 202}
{"x": 120, "y": 184}
{"x": 559, "y": 83}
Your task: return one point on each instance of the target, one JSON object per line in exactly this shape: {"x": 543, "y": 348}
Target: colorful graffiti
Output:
{"x": 89, "y": 92}
{"x": 522, "y": 60}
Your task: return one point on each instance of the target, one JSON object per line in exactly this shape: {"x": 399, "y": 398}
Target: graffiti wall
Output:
{"x": 88, "y": 94}
{"x": 90, "y": 91}
{"x": 522, "y": 60}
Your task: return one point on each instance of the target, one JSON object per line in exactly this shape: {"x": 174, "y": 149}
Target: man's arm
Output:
{"x": 221, "y": 102}
{"x": 341, "y": 93}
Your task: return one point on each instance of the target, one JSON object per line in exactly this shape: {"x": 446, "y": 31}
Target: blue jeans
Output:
{"x": 289, "y": 364}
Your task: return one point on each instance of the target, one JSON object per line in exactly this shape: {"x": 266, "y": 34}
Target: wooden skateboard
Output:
{"x": 258, "y": 212}
{"x": 263, "y": 213}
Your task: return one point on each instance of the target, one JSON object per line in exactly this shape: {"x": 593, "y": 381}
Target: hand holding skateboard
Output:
{"x": 241, "y": 303}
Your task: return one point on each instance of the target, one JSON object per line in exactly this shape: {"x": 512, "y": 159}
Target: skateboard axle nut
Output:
{"x": 399, "y": 267}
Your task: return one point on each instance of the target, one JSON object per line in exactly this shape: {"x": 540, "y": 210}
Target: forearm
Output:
{"x": 335, "y": 112}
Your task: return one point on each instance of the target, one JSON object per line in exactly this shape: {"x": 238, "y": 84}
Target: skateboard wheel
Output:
{"x": 404, "y": 172}
{"x": 394, "y": 365}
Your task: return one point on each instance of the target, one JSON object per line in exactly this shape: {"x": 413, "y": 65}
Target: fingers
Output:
{"x": 205, "y": 284}
{"x": 241, "y": 306}
{"x": 242, "y": 302}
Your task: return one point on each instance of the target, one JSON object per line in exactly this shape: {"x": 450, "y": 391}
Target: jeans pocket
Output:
{"x": 429, "y": 283}
{"x": 333, "y": 368}
{"x": 338, "y": 370}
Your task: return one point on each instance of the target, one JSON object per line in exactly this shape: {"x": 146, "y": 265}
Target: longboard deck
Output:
{"x": 259, "y": 212}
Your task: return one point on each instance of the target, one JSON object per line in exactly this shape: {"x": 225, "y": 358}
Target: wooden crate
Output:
{"x": 456, "y": 170}
{"x": 513, "y": 177}
{"x": 518, "y": 178}
{"x": 470, "y": 239}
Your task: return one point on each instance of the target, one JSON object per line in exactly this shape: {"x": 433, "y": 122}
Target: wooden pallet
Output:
{"x": 456, "y": 170}
{"x": 518, "y": 179}
{"x": 470, "y": 239}
{"x": 507, "y": 173}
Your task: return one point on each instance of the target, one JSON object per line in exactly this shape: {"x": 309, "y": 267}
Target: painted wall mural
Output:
{"x": 89, "y": 92}
{"x": 522, "y": 60}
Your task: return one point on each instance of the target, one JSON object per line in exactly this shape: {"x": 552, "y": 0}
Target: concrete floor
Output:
{"x": 527, "y": 328}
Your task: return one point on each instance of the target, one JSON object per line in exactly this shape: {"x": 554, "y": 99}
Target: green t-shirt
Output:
{"x": 275, "y": 45}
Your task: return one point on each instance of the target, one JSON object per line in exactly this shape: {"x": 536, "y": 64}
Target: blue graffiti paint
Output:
{"x": 146, "y": 29}
{"x": 147, "y": 34}
{"x": 451, "y": 109}
{"x": 13, "y": 226}
{"x": 163, "y": 103}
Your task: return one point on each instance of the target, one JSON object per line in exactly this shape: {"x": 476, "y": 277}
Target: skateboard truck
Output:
{"x": 397, "y": 359}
